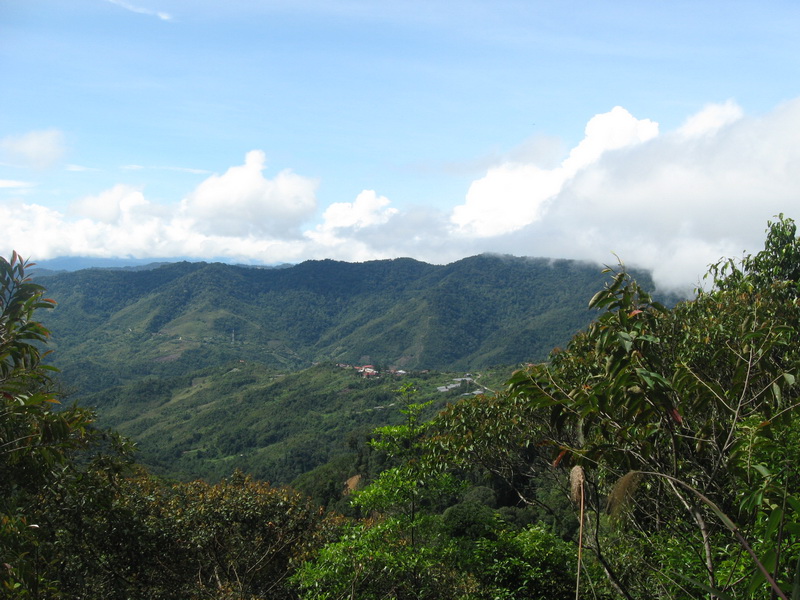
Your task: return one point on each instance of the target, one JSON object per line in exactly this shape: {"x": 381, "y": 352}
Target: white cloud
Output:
{"x": 368, "y": 209}
{"x": 609, "y": 131}
{"x": 142, "y": 11}
{"x": 186, "y": 170}
{"x": 507, "y": 198}
{"x": 80, "y": 168}
{"x": 673, "y": 202}
{"x": 36, "y": 149}
{"x": 346, "y": 223}
{"x": 242, "y": 202}
{"x": 11, "y": 183}
{"x": 679, "y": 202}
{"x": 710, "y": 119}
{"x": 240, "y": 215}
{"x": 515, "y": 194}
{"x": 178, "y": 169}
{"x": 34, "y": 231}
{"x": 109, "y": 206}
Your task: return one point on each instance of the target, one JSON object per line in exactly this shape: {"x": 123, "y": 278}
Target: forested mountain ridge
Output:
{"x": 113, "y": 326}
{"x": 206, "y": 365}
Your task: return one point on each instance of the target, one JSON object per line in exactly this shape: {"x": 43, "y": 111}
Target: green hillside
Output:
{"x": 209, "y": 366}
{"x": 273, "y": 425}
{"x": 114, "y": 326}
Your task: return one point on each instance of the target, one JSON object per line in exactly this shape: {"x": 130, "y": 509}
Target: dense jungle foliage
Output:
{"x": 653, "y": 457}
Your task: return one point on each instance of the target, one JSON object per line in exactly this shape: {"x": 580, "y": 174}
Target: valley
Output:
{"x": 212, "y": 368}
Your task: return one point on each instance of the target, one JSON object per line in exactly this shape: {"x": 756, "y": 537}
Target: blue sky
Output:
{"x": 277, "y": 131}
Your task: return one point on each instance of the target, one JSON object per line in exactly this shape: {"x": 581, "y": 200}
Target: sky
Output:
{"x": 662, "y": 134}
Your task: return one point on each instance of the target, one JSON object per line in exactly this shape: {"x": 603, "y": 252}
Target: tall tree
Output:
{"x": 35, "y": 439}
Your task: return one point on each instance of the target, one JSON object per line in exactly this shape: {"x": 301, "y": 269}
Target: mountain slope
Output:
{"x": 112, "y": 326}
{"x": 275, "y": 426}
{"x": 201, "y": 363}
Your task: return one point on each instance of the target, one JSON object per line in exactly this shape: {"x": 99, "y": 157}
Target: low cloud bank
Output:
{"x": 672, "y": 202}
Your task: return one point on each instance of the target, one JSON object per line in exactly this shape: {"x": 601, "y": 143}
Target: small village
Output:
{"x": 459, "y": 383}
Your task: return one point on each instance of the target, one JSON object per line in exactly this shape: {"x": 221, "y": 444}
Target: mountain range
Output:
{"x": 208, "y": 365}
{"x": 477, "y": 311}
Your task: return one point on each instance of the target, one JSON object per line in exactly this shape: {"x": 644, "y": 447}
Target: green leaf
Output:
{"x": 794, "y": 502}
{"x": 758, "y": 579}
{"x": 776, "y": 392}
{"x": 705, "y": 587}
{"x": 773, "y": 522}
{"x": 763, "y": 470}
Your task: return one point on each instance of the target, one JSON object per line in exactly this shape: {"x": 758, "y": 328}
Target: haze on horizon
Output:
{"x": 268, "y": 132}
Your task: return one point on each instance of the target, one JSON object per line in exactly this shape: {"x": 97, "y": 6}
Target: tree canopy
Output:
{"x": 684, "y": 421}
{"x": 652, "y": 457}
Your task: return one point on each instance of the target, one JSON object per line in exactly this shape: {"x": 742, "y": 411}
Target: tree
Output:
{"x": 671, "y": 393}
{"x": 77, "y": 520}
{"x": 145, "y": 538}
{"x": 683, "y": 419}
{"x": 35, "y": 439}
{"x": 397, "y": 552}
{"x": 418, "y": 541}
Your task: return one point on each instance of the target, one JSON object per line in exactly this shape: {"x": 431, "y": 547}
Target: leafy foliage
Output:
{"x": 699, "y": 401}
{"x": 238, "y": 538}
{"x": 77, "y": 521}
{"x": 682, "y": 422}
{"x": 35, "y": 440}
{"x": 19, "y": 334}
{"x": 420, "y": 542}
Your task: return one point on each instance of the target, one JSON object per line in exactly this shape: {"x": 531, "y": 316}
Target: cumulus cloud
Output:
{"x": 710, "y": 119}
{"x": 671, "y": 201}
{"x": 240, "y": 215}
{"x": 347, "y": 227}
{"x": 368, "y": 209}
{"x": 109, "y": 206}
{"x": 682, "y": 200}
{"x": 36, "y": 149}
{"x": 34, "y": 231}
{"x": 513, "y": 195}
{"x": 242, "y": 202}
{"x": 344, "y": 218}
